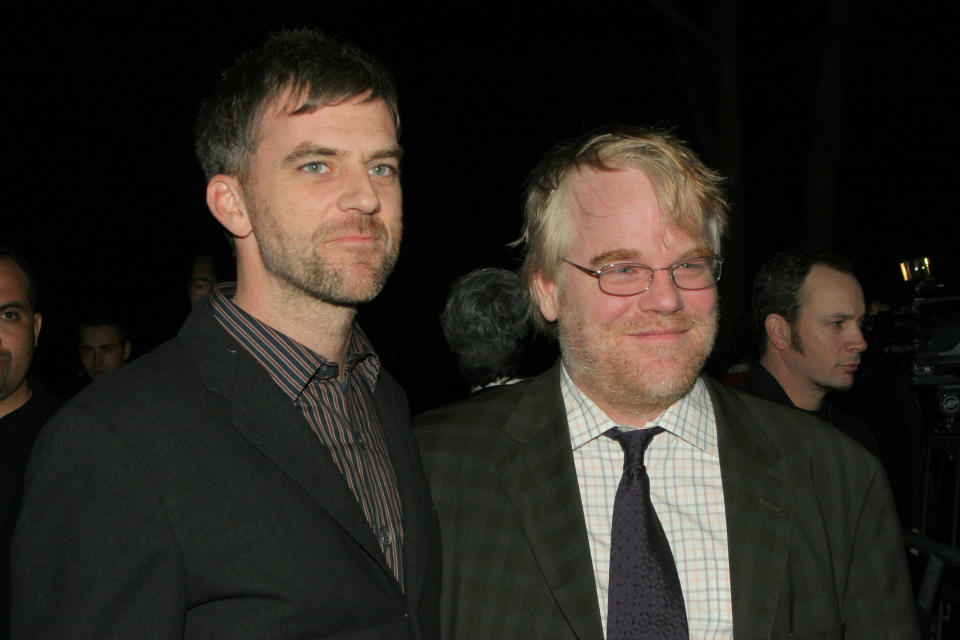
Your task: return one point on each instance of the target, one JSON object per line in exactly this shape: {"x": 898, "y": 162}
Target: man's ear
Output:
{"x": 226, "y": 201}
{"x": 126, "y": 350}
{"x": 546, "y": 296}
{"x": 778, "y": 331}
{"x": 37, "y": 321}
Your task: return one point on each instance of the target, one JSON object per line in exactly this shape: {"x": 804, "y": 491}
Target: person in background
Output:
{"x": 486, "y": 326}
{"x": 103, "y": 344}
{"x": 807, "y": 312}
{"x": 25, "y": 404}
{"x": 209, "y": 266}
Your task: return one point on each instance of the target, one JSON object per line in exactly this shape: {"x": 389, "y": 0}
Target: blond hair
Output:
{"x": 688, "y": 191}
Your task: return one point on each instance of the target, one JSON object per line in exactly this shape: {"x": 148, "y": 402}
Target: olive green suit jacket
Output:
{"x": 814, "y": 545}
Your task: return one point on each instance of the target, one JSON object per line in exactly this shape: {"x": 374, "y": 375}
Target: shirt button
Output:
{"x": 359, "y": 441}
{"x": 385, "y": 538}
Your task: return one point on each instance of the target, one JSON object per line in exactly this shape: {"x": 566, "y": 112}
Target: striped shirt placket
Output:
{"x": 342, "y": 415}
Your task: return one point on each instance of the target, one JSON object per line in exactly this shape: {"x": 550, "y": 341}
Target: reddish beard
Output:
{"x": 630, "y": 379}
{"x": 678, "y": 321}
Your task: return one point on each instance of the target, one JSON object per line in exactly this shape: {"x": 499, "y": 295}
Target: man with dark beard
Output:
{"x": 734, "y": 517}
{"x": 256, "y": 477}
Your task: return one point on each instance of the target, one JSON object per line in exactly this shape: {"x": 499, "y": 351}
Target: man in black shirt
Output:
{"x": 807, "y": 310}
{"x": 24, "y": 403}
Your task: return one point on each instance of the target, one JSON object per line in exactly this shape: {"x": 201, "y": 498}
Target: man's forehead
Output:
{"x": 622, "y": 197}
{"x": 13, "y": 282}
{"x": 616, "y": 186}
{"x": 352, "y": 125}
{"x": 292, "y": 104}
{"x": 100, "y": 333}
{"x": 831, "y": 291}
{"x": 618, "y": 216}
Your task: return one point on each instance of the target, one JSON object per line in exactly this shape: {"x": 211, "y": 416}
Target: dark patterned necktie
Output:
{"x": 645, "y": 599}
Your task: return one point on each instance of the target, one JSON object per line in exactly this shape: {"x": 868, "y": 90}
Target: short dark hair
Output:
{"x": 776, "y": 287}
{"x": 317, "y": 69}
{"x": 33, "y": 295}
{"x": 103, "y": 315}
{"x": 485, "y": 323}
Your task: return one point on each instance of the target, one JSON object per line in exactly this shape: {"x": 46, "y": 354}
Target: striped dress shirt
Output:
{"x": 686, "y": 489}
{"x": 341, "y": 414}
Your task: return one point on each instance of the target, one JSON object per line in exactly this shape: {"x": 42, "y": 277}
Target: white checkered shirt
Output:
{"x": 686, "y": 489}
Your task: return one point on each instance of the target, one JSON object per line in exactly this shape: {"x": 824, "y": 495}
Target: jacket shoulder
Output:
{"x": 797, "y": 439}
{"x": 478, "y": 417}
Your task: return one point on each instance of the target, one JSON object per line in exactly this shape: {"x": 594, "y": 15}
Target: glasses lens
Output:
{"x": 696, "y": 274}
{"x": 625, "y": 280}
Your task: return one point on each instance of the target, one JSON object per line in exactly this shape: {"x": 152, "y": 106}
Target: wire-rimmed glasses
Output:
{"x": 630, "y": 278}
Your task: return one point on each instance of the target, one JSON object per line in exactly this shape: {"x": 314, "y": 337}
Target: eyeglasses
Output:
{"x": 629, "y": 279}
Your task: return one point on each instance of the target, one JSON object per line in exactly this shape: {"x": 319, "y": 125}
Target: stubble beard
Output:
{"x": 303, "y": 268}
{"x": 826, "y": 386}
{"x": 632, "y": 381}
{"x": 5, "y": 366}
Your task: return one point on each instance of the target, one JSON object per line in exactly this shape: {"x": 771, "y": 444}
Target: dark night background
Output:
{"x": 837, "y": 126}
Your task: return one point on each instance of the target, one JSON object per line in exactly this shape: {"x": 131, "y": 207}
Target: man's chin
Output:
{"x": 836, "y": 386}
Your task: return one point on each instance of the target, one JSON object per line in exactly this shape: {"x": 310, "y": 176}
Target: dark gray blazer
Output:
{"x": 815, "y": 548}
{"x": 184, "y": 496}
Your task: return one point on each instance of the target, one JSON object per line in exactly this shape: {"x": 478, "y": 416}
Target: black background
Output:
{"x": 102, "y": 191}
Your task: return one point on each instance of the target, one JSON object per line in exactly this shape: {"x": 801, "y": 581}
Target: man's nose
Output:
{"x": 359, "y": 194}
{"x": 859, "y": 343}
{"x": 663, "y": 296}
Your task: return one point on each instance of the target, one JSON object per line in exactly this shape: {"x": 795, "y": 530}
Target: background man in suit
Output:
{"x": 256, "y": 476}
{"x": 807, "y": 309}
{"x": 777, "y": 525}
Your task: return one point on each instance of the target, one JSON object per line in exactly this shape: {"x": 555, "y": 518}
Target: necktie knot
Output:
{"x": 634, "y": 444}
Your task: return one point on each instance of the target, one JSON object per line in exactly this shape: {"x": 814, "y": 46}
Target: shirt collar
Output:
{"x": 690, "y": 418}
{"x": 291, "y": 365}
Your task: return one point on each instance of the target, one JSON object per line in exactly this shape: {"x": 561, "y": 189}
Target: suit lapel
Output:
{"x": 267, "y": 419}
{"x": 758, "y": 507}
{"x": 540, "y": 480}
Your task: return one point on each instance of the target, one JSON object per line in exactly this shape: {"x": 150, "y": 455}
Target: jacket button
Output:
{"x": 385, "y": 538}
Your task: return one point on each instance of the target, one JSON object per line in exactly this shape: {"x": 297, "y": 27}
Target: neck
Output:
{"x": 624, "y": 411}
{"x": 16, "y": 399}
{"x": 801, "y": 395}
{"x": 323, "y": 327}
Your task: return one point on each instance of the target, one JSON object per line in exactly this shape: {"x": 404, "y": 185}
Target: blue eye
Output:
{"x": 316, "y": 167}
{"x": 691, "y": 266}
{"x": 385, "y": 170}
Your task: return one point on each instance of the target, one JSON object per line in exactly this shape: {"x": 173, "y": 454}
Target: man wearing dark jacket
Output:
{"x": 622, "y": 495}
{"x": 255, "y": 477}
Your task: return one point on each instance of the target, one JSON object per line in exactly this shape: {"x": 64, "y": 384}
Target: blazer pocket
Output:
{"x": 837, "y": 633}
